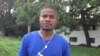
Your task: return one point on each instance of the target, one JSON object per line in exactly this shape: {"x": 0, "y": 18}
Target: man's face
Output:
{"x": 48, "y": 19}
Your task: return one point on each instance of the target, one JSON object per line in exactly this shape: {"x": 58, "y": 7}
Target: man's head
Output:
{"x": 48, "y": 18}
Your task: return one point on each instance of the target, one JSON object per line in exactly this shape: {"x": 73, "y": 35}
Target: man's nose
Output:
{"x": 48, "y": 18}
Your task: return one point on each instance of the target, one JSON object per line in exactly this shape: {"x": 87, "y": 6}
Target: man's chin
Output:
{"x": 48, "y": 29}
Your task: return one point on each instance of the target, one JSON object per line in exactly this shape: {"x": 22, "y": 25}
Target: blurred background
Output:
{"x": 79, "y": 24}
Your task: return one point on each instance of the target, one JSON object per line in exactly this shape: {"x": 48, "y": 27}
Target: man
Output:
{"x": 45, "y": 42}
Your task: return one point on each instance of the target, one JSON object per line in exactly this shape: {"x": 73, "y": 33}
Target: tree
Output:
{"x": 82, "y": 12}
{"x": 85, "y": 13}
{"x": 6, "y": 20}
{"x": 26, "y": 12}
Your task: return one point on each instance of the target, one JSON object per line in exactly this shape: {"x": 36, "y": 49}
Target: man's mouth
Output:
{"x": 47, "y": 24}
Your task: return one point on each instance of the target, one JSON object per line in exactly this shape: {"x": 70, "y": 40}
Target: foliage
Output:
{"x": 84, "y": 51}
{"x": 27, "y": 12}
{"x": 85, "y": 14}
{"x": 8, "y": 46}
{"x": 91, "y": 12}
{"x": 7, "y": 24}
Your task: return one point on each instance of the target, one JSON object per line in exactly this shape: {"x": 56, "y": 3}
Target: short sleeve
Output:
{"x": 66, "y": 48}
{"x": 23, "y": 47}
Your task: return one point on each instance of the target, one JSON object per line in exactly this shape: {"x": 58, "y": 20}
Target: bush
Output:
{"x": 8, "y": 46}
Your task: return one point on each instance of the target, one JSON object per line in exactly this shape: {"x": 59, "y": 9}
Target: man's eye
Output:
{"x": 44, "y": 16}
{"x": 51, "y": 16}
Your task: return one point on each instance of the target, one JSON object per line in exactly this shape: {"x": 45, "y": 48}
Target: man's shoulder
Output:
{"x": 28, "y": 35}
{"x": 60, "y": 37}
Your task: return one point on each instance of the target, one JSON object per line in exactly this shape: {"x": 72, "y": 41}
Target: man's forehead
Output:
{"x": 48, "y": 10}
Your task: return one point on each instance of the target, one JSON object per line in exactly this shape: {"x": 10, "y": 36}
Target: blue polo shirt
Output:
{"x": 32, "y": 43}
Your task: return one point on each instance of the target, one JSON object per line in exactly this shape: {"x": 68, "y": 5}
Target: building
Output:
{"x": 77, "y": 37}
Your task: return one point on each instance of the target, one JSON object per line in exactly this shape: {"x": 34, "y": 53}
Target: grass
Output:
{"x": 9, "y": 47}
{"x": 85, "y": 51}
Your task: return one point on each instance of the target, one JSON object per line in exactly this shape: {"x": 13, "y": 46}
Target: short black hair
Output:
{"x": 51, "y": 7}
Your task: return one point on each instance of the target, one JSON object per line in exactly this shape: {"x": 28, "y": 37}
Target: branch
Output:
{"x": 90, "y": 8}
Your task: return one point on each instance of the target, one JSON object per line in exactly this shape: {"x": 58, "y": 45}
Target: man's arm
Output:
{"x": 66, "y": 49}
{"x": 23, "y": 47}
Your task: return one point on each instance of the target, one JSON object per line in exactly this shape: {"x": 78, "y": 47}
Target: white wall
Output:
{"x": 96, "y": 35}
{"x": 81, "y": 37}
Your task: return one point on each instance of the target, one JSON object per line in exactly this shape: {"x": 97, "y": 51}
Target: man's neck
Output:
{"x": 46, "y": 34}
